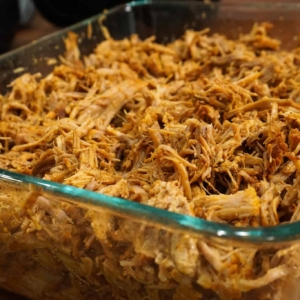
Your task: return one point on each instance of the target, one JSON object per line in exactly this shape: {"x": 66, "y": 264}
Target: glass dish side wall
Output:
{"x": 53, "y": 247}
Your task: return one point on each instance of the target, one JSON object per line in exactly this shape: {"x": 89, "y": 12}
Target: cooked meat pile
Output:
{"x": 205, "y": 126}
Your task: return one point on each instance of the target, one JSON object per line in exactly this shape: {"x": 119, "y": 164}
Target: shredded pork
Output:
{"x": 205, "y": 126}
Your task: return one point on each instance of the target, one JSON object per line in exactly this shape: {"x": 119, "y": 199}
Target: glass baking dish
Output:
{"x": 91, "y": 246}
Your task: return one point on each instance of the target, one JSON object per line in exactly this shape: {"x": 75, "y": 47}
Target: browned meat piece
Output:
{"x": 243, "y": 206}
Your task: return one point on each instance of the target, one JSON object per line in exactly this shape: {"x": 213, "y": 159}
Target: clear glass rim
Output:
{"x": 162, "y": 218}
